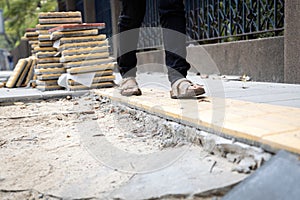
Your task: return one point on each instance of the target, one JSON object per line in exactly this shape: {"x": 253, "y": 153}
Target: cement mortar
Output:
{"x": 168, "y": 134}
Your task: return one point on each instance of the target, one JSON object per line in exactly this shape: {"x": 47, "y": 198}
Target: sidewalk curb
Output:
{"x": 42, "y": 96}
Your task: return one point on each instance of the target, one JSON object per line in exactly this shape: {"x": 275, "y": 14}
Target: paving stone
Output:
{"x": 288, "y": 140}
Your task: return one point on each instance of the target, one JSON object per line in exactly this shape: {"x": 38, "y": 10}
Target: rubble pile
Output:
{"x": 85, "y": 55}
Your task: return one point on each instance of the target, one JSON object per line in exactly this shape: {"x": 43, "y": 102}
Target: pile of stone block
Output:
{"x": 49, "y": 68}
{"x": 23, "y": 73}
{"x": 62, "y": 46}
{"x": 31, "y": 35}
{"x": 85, "y": 55}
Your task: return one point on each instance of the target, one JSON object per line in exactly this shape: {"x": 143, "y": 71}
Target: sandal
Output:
{"x": 184, "y": 89}
{"x": 129, "y": 87}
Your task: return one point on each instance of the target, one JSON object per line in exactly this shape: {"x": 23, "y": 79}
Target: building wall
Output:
{"x": 261, "y": 59}
{"x": 292, "y": 42}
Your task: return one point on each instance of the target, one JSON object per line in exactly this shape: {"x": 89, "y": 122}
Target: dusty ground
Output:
{"x": 43, "y": 155}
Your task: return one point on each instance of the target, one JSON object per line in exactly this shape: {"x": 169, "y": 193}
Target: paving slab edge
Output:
{"x": 42, "y": 96}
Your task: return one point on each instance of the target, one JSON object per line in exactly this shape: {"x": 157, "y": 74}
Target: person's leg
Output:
{"x": 131, "y": 17}
{"x": 172, "y": 18}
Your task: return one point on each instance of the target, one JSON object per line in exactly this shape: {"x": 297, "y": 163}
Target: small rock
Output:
{"x": 204, "y": 76}
{"x": 234, "y": 158}
{"x": 96, "y": 98}
{"x": 59, "y": 118}
{"x": 75, "y": 103}
{"x": 99, "y": 135}
{"x": 101, "y": 116}
{"x": 261, "y": 158}
{"x": 241, "y": 169}
{"x": 94, "y": 118}
{"x": 246, "y": 165}
{"x": 23, "y": 107}
{"x": 103, "y": 101}
{"x": 41, "y": 196}
{"x": 19, "y": 103}
{"x": 68, "y": 97}
{"x": 248, "y": 162}
{"x": 112, "y": 110}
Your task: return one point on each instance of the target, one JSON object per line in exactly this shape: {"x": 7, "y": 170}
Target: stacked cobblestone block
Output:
{"x": 49, "y": 68}
{"x": 84, "y": 51}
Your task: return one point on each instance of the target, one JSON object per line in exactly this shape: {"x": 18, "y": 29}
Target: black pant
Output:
{"x": 172, "y": 18}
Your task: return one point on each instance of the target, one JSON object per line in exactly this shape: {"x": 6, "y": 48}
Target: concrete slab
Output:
{"x": 4, "y": 75}
{"x": 191, "y": 175}
{"x": 179, "y": 171}
{"x": 277, "y": 179}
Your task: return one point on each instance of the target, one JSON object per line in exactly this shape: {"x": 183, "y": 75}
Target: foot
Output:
{"x": 129, "y": 87}
{"x": 184, "y": 89}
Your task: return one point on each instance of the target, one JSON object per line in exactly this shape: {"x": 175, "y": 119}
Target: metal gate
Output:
{"x": 211, "y": 21}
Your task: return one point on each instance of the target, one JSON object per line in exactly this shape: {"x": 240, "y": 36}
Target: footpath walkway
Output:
{"x": 263, "y": 114}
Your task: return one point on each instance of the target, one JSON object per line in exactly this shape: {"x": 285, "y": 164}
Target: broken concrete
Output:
{"x": 44, "y": 148}
{"x": 194, "y": 173}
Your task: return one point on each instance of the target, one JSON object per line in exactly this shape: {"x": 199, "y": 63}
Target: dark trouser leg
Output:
{"x": 172, "y": 18}
{"x": 131, "y": 17}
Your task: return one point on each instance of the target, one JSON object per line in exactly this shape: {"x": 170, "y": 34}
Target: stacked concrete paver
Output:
{"x": 32, "y": 36}
{"x": 49, "y": 68}
{"x": 23, "y": 73}
{"x": 84, "y": 52}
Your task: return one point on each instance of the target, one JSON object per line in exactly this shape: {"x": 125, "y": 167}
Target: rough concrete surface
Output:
{"x": 278, "y": 179}
{"x": 48, "y": 152}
